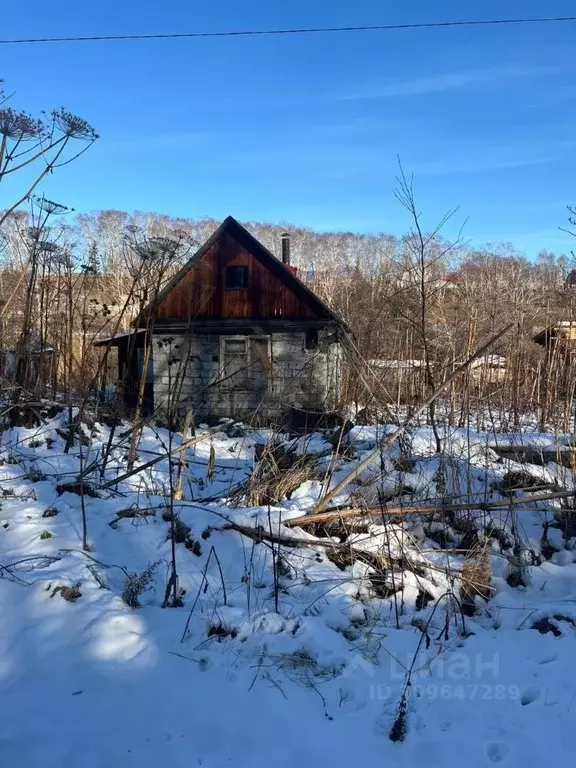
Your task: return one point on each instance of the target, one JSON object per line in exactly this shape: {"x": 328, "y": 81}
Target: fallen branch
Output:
{"x": 38, "y": 561}
{"x": 377, "y": 512}
{"x": 94, "y": 560}
{"x": 132, "y": 513}
{"x": 259, "y": 534}
{"x": 391, "y": 439}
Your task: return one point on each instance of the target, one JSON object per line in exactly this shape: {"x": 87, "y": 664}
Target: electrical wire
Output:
{"x": 295, "y": 31}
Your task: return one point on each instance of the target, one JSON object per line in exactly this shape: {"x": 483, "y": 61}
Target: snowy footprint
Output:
{"x": 497, "y": 752}
{"x": 430, "y": 753}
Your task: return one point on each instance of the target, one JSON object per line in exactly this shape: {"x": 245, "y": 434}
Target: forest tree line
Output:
{"x": 80, "y": 277}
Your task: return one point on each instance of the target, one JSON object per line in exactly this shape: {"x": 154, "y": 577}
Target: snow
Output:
{"x": 309, "y": 674}
{"x": 397, "y": 365}
{"x": 489, "y": 361}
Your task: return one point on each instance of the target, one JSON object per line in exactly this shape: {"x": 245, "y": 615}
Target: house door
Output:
{"x": 246, "y": 369}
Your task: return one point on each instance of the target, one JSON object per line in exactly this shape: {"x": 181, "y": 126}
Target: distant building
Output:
{"x": 562, "y": 332}
{"x": 571, "y": 280}
{"x": 396, "y": 365}
{"x": 490, "y": 368}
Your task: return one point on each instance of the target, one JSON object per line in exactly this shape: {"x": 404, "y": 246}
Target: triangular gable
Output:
{"x": 184, "y": 287}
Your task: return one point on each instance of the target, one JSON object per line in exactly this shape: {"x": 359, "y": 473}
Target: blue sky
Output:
{"x": 307, "y": 129}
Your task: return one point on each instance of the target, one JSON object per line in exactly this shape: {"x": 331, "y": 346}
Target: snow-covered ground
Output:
{"x": 280, "y": 655}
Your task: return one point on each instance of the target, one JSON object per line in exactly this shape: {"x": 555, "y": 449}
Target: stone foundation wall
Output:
{"x": 188, "y": 373}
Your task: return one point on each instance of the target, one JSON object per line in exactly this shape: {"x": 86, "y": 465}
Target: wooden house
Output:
{"x": 235, "y": 334}
{"x": 562, "y": 333}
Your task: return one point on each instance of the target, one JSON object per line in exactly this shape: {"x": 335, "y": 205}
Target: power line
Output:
{"x": 296, "y": 31}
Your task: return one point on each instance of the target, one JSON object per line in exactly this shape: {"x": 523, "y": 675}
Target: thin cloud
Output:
{"x": 535, "y": 240}
{"x": 477, "y": 158}
{"x": 440, "y": 168}
{"x": 163, "y": 141}
{"x": 448, "y": 81}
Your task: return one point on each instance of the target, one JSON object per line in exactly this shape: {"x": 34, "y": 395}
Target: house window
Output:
{"x": 236, "y": 278}
{"x": 245, "y": 363}
{"x": 234, "y": 359}
{"x": 311, "y": 341}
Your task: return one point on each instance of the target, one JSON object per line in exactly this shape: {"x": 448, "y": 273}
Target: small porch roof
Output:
{"x": 115, "y": 341}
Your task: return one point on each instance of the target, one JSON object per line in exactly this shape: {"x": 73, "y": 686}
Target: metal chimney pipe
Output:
{"x": 286, "y": 248}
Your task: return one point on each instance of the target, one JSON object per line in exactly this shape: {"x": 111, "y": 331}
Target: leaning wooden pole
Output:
{"x": 338, "y": 515}
{"x": 391, "y": 439}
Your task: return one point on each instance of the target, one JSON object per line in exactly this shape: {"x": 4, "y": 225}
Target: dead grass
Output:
{"x": 277, "y": 474}
{"x": 476, "y": 576}
{"x": 138, "y": 583}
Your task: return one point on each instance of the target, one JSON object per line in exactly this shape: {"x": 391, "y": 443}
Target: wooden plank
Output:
{"x": 242, "y": 325}
{"x": 382, "y": 511}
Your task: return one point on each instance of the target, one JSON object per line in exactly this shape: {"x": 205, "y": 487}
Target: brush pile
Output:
{"x": 426, "y": 560}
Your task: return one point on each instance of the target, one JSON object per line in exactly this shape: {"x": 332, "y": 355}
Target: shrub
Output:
{"x": 137, "y": 583}
{"x": 35, "y": 476}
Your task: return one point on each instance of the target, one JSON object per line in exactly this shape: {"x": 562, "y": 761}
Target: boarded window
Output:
{"x": 246, "y": 363}
{"x": 236, "y": 278}
{"x": 235, "y": 363}
{"x": 260, "y": 363}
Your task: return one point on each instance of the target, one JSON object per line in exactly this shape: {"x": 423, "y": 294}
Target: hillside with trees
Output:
{"x": 403, "y": 303}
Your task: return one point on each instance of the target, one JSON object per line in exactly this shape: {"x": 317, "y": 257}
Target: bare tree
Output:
{"x": 42, "y": 245}
{"x": 423, "y": 253}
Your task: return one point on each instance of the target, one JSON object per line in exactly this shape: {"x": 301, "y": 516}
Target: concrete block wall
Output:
{"x": 188, "y": 369}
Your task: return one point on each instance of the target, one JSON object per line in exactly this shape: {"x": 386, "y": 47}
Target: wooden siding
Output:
{"x": 200, "y": 294}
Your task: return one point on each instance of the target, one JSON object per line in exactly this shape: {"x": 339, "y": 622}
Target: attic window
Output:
{"x": 236, "y": 278}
